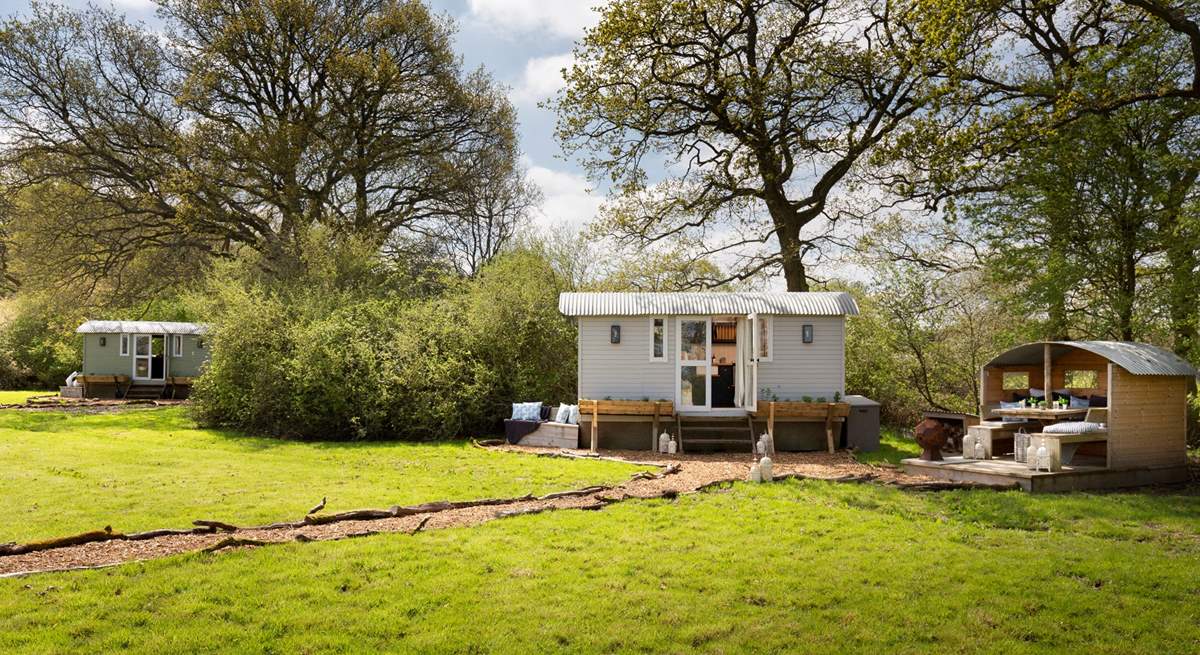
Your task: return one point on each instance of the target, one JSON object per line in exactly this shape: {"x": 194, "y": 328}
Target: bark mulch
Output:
{"x": 677, "y": 474}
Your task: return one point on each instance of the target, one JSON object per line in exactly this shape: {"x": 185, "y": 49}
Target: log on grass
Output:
{"x": 233, "y": 542}
{"x": 215, "y": 525}
{"x": 62, "y": 542}
{"x": 155, "y": 534}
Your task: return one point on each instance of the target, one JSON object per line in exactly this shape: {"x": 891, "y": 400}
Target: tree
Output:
{"x": 249, "y": 123}
{"x": 760, "y": 109}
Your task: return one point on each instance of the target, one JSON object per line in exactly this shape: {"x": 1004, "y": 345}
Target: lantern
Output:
{"x": 755, "y": 473}
{"x": 764, "y": 467}
{"x": 664, "y": 441}
{"x": 672, "y": 447}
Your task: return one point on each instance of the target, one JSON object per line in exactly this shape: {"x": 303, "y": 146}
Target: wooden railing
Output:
{"x": 652, "y": 408}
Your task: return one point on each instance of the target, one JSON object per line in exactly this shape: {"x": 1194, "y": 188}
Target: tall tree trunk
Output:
{"x": 1182, "y": 265}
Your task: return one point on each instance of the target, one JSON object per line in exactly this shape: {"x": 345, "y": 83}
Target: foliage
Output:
{"x": 246, "y": 126}
{"x": 789, "y": 567}
{"x": 159, "y": 469}
{"x": 759, "y": 110}
{"x": 319, "y": 357}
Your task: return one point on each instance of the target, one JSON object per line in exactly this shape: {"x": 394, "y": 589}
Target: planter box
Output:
{"x": 627, "y": 407}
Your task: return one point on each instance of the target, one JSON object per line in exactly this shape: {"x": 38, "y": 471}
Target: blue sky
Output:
{"x": 525, "y": 44}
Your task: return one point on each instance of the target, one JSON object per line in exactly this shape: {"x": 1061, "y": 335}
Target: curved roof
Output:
{"x": 707, "y": 303}
{"x": 1137, "y": 358}
{"x": 140, "y": 327}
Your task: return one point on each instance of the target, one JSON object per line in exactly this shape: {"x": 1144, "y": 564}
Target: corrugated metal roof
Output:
{"x": 1137, "y": 358}
{"x": 140, "y": 327}
{"x": 707, "y": 303}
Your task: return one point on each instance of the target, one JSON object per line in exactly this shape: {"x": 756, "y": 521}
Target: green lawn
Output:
{"x": 791, "y": 567}
{"x": 64, "y": 473}
{"x": 895, "y": 444}
{"x": 19, "y": 397}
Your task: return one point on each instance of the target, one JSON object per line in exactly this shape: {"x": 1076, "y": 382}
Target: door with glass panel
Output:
{"x": 695, "y": 357}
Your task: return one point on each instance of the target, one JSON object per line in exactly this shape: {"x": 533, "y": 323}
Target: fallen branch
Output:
{"x": 215, "y": 525}
{"x": 155, "y": 534}
{"x": 62, "y": 542}
{"x": 587, "y": 491}
{"x": 233, "y": 542}
{"x": 421, "y": 525}
{"x": 669, "y": 469}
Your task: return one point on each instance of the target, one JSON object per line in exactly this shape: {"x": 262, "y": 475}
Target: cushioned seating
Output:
{"x": 1072, "y": 427}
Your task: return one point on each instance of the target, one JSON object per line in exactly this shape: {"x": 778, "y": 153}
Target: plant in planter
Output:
{"x": 806, "y": 399}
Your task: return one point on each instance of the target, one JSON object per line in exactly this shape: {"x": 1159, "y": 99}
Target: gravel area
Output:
{"x": 691, "y": 473}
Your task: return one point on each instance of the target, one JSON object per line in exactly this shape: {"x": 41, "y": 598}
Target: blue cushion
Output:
{"x": 527, "y": 411}
{"x": 574, "y": 415}
{"x": 563, "y": 415}
{"x": 1079, "y": 403}
{"x": 1011, "y": 419}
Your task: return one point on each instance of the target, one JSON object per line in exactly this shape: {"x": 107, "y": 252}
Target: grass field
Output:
{"x": 894, "y": 446}
{"x": 63, "y": 473}
{"x": 19, "y": 397}
{"x": 791, "y": 567}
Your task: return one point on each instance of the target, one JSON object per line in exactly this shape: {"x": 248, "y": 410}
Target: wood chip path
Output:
{"x": 677, "y": 475}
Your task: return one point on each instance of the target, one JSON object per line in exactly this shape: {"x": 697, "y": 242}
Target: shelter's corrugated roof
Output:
{"x": 707, "y": 303}
{"x": 141, "y": 327}
{"x": 1137, "y": 358}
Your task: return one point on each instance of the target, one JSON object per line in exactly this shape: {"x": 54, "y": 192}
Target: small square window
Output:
{"x": 1016, "y": 381}
{"x": 1080, "y": 379}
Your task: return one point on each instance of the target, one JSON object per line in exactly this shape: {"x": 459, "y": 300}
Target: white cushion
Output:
{"x": 563, "y": 415}
{"x": 574, "y": 419}
{"x": 1072, "y": 427}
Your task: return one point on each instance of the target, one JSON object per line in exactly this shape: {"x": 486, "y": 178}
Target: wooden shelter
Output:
{"x": 1138, "y": 393}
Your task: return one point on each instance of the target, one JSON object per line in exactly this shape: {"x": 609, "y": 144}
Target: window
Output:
{"x": 658, "y": 339}
{"x": 806, "y": 334}
{"x": 177, "y": 345}
{"x": 199, "y": 344}
{"x": 614, "y": 334}
{"x": 765, "y": 332}
{"x": 1080, "y": 379}
{"x": 124, "y": 345}
{"x": 103, "y": 342}
{"x": 1014, "y": 381}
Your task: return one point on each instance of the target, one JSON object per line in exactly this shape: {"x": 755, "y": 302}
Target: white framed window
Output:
{"x": 658, "y": 339}
{"x": 766, "y": 334}
{"x": 177, "y": 345}
{"x": 124, "y": 345}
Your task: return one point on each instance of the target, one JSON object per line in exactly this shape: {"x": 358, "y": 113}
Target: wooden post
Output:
{"x": 829, "y": 427}
{"x": 771, "y": 424}
{"x": 595, "y": 427}
{"x": 654, "y": 430}
{"x": 1047, "y": 364}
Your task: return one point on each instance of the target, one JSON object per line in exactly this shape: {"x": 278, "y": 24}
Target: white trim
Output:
{"x": 177, "y": 345}
{"x": 124, "y": 345}
{"x": 665, "y": 343}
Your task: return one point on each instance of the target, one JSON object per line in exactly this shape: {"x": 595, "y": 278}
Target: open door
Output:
{"x": 750, "y": 373}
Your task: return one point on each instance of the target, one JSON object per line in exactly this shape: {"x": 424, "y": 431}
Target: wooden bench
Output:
{"x": 553, "y": 435}
{"x": 1061, "y": 448}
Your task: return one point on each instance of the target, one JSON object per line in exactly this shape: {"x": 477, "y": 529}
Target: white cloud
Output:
{"x": 542, "y": 78}
{"x": 563, "y": 18}
{"x": 568, "y": 199}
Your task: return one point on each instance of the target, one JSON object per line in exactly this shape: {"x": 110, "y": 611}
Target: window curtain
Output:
{"x": 744, "y": 384}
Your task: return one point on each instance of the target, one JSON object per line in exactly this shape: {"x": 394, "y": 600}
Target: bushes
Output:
{"x": 320, "y": 359}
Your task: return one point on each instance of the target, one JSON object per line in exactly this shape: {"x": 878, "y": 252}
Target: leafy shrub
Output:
{"x": 317, "y": 358}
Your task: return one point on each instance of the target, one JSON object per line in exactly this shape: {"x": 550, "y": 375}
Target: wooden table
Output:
{"x": 1044, "y": 416}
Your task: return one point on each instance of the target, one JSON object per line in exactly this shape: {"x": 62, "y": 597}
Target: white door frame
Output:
{"x": 148, "y": 357}
{"x": 751, "y": 402}
{"x": 680, "y": 362}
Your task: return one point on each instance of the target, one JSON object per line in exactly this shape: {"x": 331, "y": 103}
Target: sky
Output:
{"x": 525, "y": 44}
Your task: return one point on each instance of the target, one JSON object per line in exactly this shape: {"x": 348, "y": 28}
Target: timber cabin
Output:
{"x": 707, "y": 366}
{"x": 1067, "y": 415}
{"x": 140, "y": 359}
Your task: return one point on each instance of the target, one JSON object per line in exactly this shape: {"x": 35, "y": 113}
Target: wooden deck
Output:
{"x": 1005, "y": 472}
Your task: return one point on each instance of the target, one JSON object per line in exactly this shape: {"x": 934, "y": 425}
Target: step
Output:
{"x": 743, "y": 442}
{"x": 714, "y": 428}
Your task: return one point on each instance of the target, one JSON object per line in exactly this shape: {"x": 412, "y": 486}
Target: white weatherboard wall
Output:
{"x": 799, "y": 369}
{"x": 624, "y": 371}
